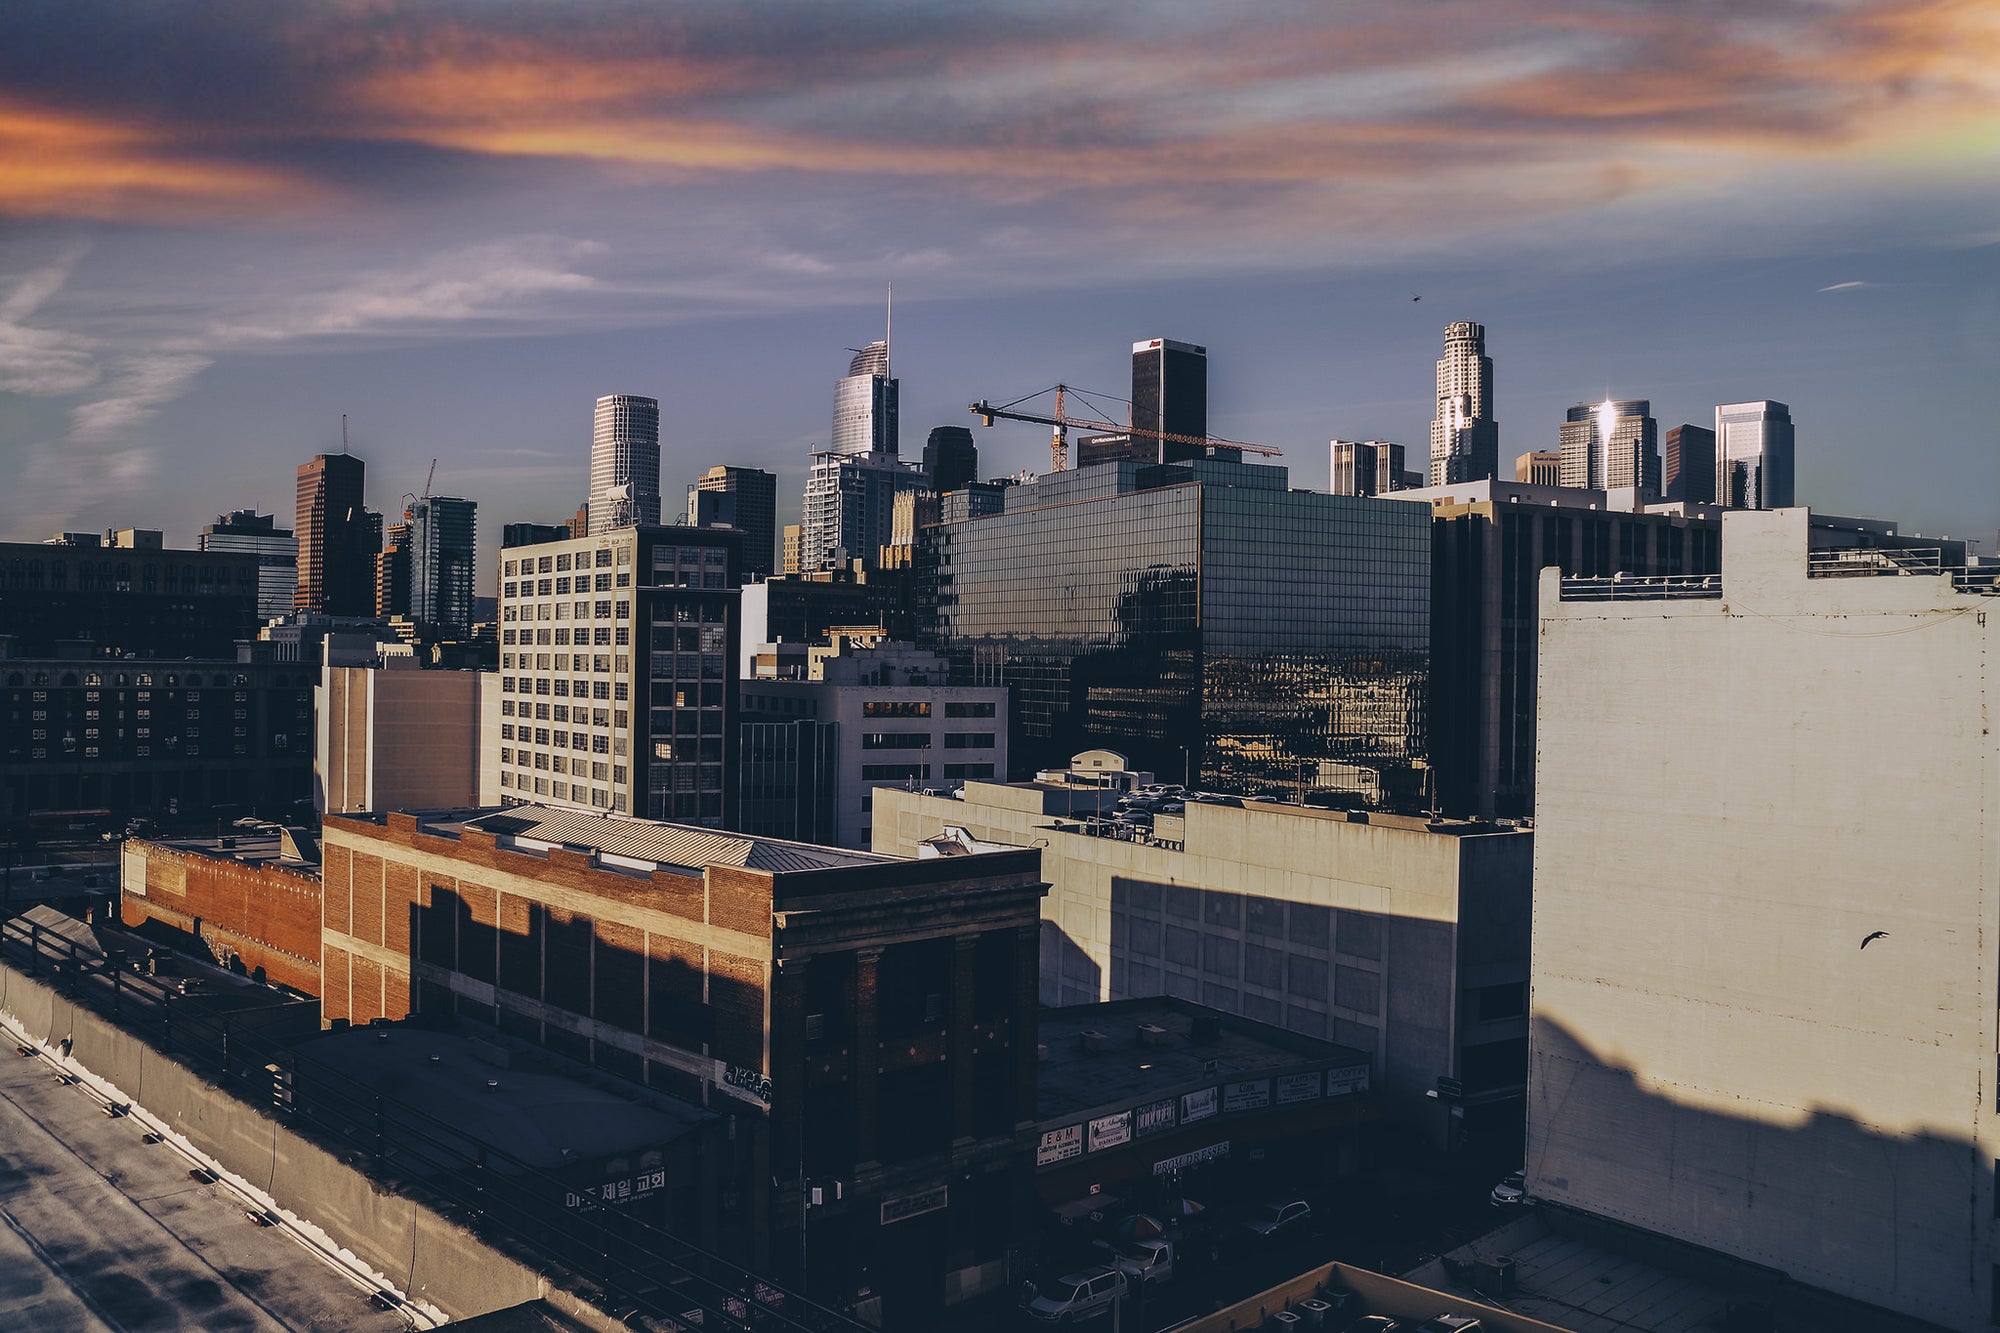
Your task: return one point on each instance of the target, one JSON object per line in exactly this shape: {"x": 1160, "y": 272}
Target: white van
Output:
{"x": 1077, "y": 1296}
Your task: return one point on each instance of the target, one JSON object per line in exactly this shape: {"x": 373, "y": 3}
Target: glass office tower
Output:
{"x": 1213, "y": 626}
{"x": 1753, "y": 455}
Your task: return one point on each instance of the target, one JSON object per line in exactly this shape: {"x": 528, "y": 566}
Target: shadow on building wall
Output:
{"x": 1069, "y": 974}
{"x": 1898, "y": 1220}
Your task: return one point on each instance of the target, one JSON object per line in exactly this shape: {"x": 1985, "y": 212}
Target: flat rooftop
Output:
{"x": 293, "y": 849}
{"x": 639, "y": 846}
{"x": 1590, "y": 1277}
{"x": 1076, "y": 1078}
{"x": 546, "y": 1119}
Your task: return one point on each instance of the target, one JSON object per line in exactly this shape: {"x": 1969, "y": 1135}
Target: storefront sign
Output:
{"x": 905, "y": 1206}
{"x": 1297, "y": 1087}
{"x": 1250, "y": 1095}
{"x": 1198, "y": 1105}
{"x": 1059, "y": 1145}
{"x": 1154, "y": 1117}
{"x": 1213, "y": 1152}
{"x": 1340, "y": 1082}
{"x": 622, "y": 1190}
{"x": 1109, "y": 1131}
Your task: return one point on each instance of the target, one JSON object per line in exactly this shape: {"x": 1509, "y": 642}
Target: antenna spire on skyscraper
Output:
{"x": 889, "y": 330}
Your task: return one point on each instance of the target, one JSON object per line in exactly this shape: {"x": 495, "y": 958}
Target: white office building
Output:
{"x": 624, "y": 462}
{"x": 1753, "y": 455}
{"x": 1766, "y": 906}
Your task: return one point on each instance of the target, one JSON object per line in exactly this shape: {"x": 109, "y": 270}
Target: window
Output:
{"x": 895, "y": 740}
{"x": 968, "y": 770}
{"x": 894, "y": 772}
{"x": 968, "y": 710}
{"x": 969, "y": 740}
{"x": 1504, "y": 1001}
{"x": 895, "y": 708}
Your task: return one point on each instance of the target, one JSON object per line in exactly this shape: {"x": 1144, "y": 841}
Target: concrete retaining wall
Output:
{"x": 427, "y": 1256}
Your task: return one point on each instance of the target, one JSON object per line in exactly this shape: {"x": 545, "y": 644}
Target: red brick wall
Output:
{"x": 266, "y": 915}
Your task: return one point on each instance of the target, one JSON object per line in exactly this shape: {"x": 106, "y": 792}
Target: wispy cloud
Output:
{"x": 42, "y": 360}
{"x": 1846, "y": 286}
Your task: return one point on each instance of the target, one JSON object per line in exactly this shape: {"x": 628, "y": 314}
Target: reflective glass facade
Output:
{"x": 1202, "y": 619}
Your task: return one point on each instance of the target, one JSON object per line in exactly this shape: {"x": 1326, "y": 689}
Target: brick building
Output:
{"x": 253, "y": 901}
{"x": 870, "y": 1022}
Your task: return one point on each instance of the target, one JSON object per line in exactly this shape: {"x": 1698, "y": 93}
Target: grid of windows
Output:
{"x": 1204, "y": 620}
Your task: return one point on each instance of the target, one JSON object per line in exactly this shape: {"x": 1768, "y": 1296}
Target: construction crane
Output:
{"x": 430, "y": 478}
{"x": 1063, "y": 423}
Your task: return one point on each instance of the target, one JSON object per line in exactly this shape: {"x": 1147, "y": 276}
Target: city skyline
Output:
{"x": 450, "y": 230}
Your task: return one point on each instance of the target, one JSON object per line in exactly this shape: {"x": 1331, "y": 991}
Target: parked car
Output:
{"x": 1078, "y": 1296}
{"x": 1511, "y": 1191}
{"x": 1143, "y": 1262}
{"x": 1275, "y": 1218}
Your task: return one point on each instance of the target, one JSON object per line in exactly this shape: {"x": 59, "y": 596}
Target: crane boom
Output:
{"x": 430, "y": 478}
{"x": 1063, "y": 423}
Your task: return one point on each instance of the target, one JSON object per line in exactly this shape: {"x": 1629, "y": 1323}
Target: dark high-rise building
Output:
{"x": 1204, "y": 620}
{"x": 442, "y": 535}
{"x": 533, "y": 534}
{"x": 1611, "y": 446}
{"x": 1753, "y": 455}
{"x": 951, "y": 459}
{"x": 745, "y": 498}
{"x": 392, "y": 571}
{"x": 276, "y": 549}
{"x": 1688, "y": 466}
{"x": 1169, "y": 397}
{"x": 1365, "y": 467}
{"x": 338, "y": 538}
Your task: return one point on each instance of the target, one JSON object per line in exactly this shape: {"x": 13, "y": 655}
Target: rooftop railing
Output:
{"x": 1873, "y": 562}
{"x": 1635, "y": 588}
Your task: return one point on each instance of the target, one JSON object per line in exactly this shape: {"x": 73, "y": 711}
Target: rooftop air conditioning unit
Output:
{"x": 1152, "y": 1034}
{"x": 1092, "y": 1040}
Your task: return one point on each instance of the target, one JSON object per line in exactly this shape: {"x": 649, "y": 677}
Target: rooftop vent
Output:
{"x": 1094, "y": 1041}
{"x": 1152, "y": 1034}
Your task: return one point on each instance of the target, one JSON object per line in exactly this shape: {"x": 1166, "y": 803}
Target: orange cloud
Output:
{"x": 62, "y": 164}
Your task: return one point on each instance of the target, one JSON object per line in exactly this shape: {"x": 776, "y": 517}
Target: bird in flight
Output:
{"x": 1878, "y": 935}
{"x": 1415, "y": 297}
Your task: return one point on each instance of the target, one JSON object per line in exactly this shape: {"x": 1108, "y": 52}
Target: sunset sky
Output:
{"x": 223, "y": 225}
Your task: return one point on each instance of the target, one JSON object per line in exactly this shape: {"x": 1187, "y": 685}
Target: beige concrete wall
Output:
{"x": 1395, "y": 996}
{"x": 1733, "y": 794}
{"x": 399, "y": 739}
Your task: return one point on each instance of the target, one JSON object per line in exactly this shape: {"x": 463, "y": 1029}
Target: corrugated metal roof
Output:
{"x": 681, "y": 845}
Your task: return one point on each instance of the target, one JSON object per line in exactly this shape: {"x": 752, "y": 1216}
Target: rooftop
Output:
{"x": 292, "y": 848}
{"x": 545, "y": 1119}
{"x": 637, "y": 845}
{"x": 1117, "y": 1063}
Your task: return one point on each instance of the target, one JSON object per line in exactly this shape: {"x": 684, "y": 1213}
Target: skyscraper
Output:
{"x": 1465, "y": 440}
{"x": 626, "y": 642}
{"x": 951, "y": 459}
{"x": 1610, "y": 446}
{"x": 625, "y": 463}
{"x": 1365, "y": 467}
{"x": 864, "y": 405}
{"x": 276, "y": 549}
{"x": 1170, "y": 396}
{"x": 745, "y": 498}
{"x": 850, "y": 506}
{"x": 1688, "y": 471}
{"x": 337, "y": 536}
{"x": 1753, "y": 455}
{"x": 392, "y": 571}
{"x": 442, "y": 532}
